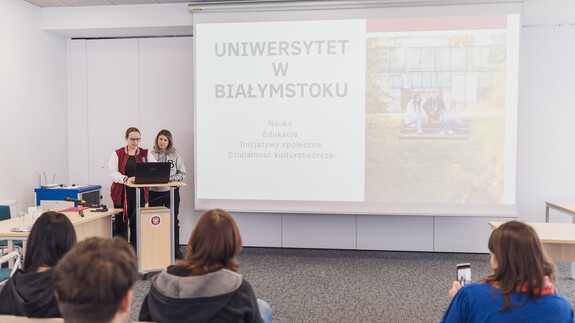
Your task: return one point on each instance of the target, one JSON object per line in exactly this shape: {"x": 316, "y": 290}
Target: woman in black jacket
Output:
{"x": 30, "y": 292}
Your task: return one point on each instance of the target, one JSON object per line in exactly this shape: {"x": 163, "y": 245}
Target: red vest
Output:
{"x": 117, "y": 189}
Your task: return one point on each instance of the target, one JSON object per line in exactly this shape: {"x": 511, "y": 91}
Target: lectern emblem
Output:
{"x": 156, "y": 220}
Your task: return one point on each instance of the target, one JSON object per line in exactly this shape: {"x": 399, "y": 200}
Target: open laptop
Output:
{"x": 152, "y": 173}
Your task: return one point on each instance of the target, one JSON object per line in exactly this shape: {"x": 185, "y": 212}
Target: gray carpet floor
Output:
{"x": 304, "y": 285}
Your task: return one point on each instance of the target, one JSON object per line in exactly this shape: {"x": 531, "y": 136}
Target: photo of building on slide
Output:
{"x": 435, "y": 115}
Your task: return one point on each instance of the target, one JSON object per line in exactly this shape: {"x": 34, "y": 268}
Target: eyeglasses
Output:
{"x": 134, "y": 139}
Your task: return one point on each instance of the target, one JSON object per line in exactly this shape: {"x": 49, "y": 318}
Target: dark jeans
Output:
{"x": 121, "y": 227}
{"x": 163, "y": 199}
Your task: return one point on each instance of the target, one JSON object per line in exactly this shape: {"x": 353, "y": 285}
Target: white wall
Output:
{"x": 33, "y": 122}
{"x": 546, "y": 114}
{"x": 546, "y": 108}
{"x": 544, "y": 156}
{"x": 120, "y": 83}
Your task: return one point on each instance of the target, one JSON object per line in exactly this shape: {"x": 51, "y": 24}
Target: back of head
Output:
{"x": 51, "y": 237}
{"x": 214, "y": 244}
{"x": 93, "y": 278}
{"x": 521, "y": 260}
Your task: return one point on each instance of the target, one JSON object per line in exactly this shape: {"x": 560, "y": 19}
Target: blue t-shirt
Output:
{"x": 480, "y": 302}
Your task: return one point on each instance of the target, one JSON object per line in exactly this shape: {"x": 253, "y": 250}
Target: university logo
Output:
{"x": 156, "y": 220}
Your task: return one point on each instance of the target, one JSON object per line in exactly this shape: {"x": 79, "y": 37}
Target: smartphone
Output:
{"x": 464, "y": 273}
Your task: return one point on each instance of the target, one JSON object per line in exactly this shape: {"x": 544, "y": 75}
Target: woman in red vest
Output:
{"x": 121, "y": 170}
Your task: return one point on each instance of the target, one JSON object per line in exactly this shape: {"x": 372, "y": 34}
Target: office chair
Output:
{"x": 5, "y": 215}
{"x": 6, "y": 273}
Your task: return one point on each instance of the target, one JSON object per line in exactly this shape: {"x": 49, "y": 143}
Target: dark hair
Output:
{"x": 214, "y": 244}
{"x": 93, "y": 278}
{"x": 521, "y": 261}
{"x": 417, "y": 97}
{"x": 130, "y": 130}
{"x": 170, "y": 149}
{"x": 52, "y": 235}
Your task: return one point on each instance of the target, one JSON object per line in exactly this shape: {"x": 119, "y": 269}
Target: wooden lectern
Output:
{"x": 155, "y": 241}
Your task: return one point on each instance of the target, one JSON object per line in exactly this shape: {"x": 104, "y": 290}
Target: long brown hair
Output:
{"x": 170, "y": 149}
{"x": 522, "y": 263}
{"x": 214, "y": 244}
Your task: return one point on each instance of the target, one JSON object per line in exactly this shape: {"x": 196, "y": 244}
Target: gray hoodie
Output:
{"x": 220, "y": 296}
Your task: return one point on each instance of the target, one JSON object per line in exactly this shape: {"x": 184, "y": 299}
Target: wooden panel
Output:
{"x": 155, "y": 239}
{"x": 560, "y": 252}
{"x": 98, "y": 228}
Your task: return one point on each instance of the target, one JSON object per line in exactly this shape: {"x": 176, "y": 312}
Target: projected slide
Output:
{"x": 280, "y": 113}
{"x": 403, "y": 115}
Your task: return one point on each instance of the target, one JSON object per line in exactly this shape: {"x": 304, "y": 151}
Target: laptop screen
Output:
{"x": 152, "y": 173}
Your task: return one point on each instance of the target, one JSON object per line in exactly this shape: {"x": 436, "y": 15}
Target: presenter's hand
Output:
{"x": 131, "y": 180}
{"x": 455, "y": 287}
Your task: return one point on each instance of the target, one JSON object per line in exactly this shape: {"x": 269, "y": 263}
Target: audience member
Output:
{"x": 205, "y": 285}
{"x": 93, "y": 281}
{"x": 520, "y": 288}
{"x": 30, "y": 292}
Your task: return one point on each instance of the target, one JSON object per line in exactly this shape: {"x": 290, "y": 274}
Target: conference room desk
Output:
{"x": 558, "y": 240}
{"x": 93, "y": 224}
{"x": 567, "y": 208}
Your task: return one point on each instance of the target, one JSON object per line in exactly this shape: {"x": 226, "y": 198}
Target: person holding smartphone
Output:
{"x": 463, "y": 274}
{"x": 164, "y": 151}
{"x": 519, "y": 290}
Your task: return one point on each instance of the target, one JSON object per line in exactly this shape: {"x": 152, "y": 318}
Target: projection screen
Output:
{"x": 398, "y": 110}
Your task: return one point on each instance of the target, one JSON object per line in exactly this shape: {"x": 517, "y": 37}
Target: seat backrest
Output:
{"x": 4, "y": 212}
{"x": 6, "y": 273}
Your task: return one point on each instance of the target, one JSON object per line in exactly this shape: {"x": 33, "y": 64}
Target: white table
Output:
{"x": 566, "y": 208}
{"x": 92, "y": 224}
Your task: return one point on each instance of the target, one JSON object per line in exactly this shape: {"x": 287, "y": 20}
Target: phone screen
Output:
{"x": 464, "y": 274}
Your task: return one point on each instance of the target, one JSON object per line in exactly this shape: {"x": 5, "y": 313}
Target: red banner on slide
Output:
{"x": 436, "y": 23}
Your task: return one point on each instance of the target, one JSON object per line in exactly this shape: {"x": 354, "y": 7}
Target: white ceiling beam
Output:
{"x": 118, "y": 21}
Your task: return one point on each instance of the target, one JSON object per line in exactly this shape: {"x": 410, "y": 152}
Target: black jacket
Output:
{"x": 221, "y": 296}
{"x": 30, "y": 294}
